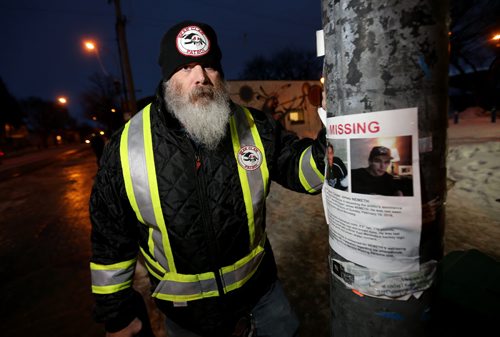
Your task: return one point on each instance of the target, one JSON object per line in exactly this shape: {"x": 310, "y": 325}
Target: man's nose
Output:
{"x": 199, "y": 74}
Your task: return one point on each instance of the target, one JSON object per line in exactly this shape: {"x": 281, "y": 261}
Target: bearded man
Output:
{"x": 184, "y": 184}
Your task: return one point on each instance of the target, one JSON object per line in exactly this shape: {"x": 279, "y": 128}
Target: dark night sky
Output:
{"x": 42, "y": 53}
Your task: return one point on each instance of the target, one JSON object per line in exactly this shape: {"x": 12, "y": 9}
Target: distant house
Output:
{"x": 14, "y": 138}
{"x": 293, "y": 103}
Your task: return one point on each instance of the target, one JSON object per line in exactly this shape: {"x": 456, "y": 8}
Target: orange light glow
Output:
{"x": 89, "y": 45}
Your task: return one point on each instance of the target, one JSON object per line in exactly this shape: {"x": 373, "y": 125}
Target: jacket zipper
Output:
{"x": 206, "y": 218}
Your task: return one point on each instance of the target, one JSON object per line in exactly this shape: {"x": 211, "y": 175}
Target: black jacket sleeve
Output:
{"x": 114, "y": 237}
{"x": 286, "y": 151}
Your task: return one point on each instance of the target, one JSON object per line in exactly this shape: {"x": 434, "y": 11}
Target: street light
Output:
{"x": 494, "y": 71}
{"x": 91, "y": 46}
{"x": 62, "y": 100}
{"x": 496, "y": 39}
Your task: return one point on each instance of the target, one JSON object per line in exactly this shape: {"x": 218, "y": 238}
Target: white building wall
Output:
{"x": 287, "y": 96}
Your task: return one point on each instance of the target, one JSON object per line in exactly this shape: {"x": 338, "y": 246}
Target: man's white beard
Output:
{"x": 204, "y": 112}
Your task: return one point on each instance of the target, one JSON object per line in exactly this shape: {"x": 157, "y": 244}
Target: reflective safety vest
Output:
{"x": 139, "y": 173}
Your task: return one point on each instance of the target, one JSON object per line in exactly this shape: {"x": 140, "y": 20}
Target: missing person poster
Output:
{"x": 371, "y": 193}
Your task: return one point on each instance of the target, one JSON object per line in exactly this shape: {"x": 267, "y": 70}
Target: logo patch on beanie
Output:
{"x": 192, "y": 41}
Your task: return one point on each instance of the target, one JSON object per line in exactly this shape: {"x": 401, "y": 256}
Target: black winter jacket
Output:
{"x": 204, "y": 212}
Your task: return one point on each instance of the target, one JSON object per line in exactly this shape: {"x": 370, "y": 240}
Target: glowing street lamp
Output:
{"x": 62, "y": 100}
{"x": 496, "y": 39}
{"x": 91, "y": 46}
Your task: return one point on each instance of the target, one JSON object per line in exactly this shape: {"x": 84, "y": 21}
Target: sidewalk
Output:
{"x": 473, "y": 130}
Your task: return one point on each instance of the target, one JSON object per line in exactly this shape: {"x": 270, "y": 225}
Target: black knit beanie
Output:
{"x": 187, "y": 42}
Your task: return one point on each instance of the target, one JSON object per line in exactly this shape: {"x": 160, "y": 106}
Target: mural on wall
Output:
{"x": 293, "y": 103}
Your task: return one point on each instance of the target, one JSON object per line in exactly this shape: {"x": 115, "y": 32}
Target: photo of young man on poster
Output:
{"x": 387, "y": 170}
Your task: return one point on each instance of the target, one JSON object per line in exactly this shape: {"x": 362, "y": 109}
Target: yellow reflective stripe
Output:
{"x": 124, "y": 157}
{"x": 105, "y": 276}
{"x": 105, "y": 290}
{"x": 126, "y": 171}
{"x": 240, "y": 263}
{"x": 138, "y": 170}
{"x": 302, "y": 178}
{"x": 185, "y": 298}
{"x": 155, "y": 195}
{"x": 186, "y": 287}
{"x": 153, "y": 266}
{"x": 195, "y": 280}
{"x": 247, "y": 197}
{"x": 258, "y": 143}
{"x": 238, "y": 284}
{"x": 312, "y": 164}
{"x": 247, "y": 124}
{"x": 146, "y": 114}
{"x": 114, "y": 266}
{"x": 189, "y": 277}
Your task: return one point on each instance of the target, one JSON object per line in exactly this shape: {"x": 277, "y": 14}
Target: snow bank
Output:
{"x": 472, "y": 205}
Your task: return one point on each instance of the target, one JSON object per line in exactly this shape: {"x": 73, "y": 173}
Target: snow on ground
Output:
{"x": 473, "y": 201}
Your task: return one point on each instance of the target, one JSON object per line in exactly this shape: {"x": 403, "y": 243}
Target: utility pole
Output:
{"x": 129, "y": 108}
{"x": 386, "y": 55}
